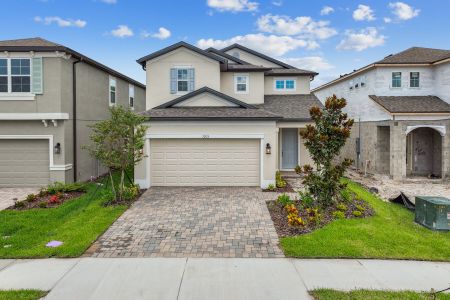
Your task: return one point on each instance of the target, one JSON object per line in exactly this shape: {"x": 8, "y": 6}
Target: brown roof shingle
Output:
{"x": 209, "y": 113}
{"x": 412, "y": 104}
{"x": 416, "y": 55}
{"x": 291, "y": 107}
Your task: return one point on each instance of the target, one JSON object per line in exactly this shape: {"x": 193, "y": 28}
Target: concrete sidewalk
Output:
{"x": 215, "y": 278}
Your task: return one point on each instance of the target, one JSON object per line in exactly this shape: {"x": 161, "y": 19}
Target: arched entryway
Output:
{"x": 424, "y": 151}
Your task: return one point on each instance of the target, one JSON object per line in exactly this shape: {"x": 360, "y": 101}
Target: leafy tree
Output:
{"x": 324, "y": 141}
{"x": 117, "y": 143}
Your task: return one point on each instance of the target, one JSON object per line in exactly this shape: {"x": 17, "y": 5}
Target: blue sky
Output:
{"x": 330, "y": 37}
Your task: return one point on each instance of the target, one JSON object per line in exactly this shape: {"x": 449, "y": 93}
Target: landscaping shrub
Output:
{"x": 357, "y": 213}
{"x": 284, "y": 199}
{"x": 342, "y": 207}
{"x": 324, "y": 141}
{"x": 43, "y": 205}
{"x": 280, "y": 182}
{"x": 306, "y": 198}
{"x": 295, "y": 220}
{"x": 313, "y": 215}
{"x": 59, "y": 187}
{"x": 271, "y": 187}
{"x": 338, "y": 214}
{"x": 30, "y": 197}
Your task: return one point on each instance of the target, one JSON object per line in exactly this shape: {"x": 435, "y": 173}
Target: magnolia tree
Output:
{"x": 117, "y": 143}
{"x": 324, "y": 141}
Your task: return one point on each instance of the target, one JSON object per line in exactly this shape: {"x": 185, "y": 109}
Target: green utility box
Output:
{"x": 433, "y": 212}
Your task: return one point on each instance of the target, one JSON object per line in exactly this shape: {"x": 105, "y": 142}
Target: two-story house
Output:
{"x": 49, "y": 94}
{"x": 228, "y": 117}
{"x": 401, "y": 106}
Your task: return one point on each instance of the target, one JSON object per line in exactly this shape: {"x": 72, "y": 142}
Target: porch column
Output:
{"x": 397, "y": 152}
{"x": 445, "y": 152}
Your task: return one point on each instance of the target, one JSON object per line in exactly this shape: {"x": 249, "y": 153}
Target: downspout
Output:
{"x": 74, "y": 118}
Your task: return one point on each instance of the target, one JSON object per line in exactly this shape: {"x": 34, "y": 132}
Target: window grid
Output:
{"x": 396, "y": 79}
{"x": 285, "y": 84}
{"x": 241, "y": 83}
{"x": 414, "y": 79}
{"x": 15, "y": 75}
{"x": 3, "y": 75}
{"x": 182, "y": 80}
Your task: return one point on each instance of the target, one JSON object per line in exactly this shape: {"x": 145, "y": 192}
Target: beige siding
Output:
{"x": 207, "y": 73}
{"x": 302, "y": 87}
{"x": 24, "y": 162}
{"x": 255, "y": 93}
{"x": 206, "y": 99}
{"x": 204, "y": 162}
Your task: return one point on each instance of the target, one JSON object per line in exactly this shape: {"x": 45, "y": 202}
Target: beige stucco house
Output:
{"x": 49, "y": 94}
{"x": 228, "y": 117}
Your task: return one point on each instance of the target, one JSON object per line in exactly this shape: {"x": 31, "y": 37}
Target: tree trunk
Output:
{"x": 121, "y": 188}
{"x": 112, "y": 185}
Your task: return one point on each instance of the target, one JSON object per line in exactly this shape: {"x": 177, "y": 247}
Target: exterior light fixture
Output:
{"x": 57, "y": 148}
{"x": 141, "y": 151}
{"x": 268, "y": 149}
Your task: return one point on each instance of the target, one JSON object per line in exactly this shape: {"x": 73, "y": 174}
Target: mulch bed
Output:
{"x": 279, "y": 217}
{"x": 36, "y": 203}
{"x": 287, "y": 189}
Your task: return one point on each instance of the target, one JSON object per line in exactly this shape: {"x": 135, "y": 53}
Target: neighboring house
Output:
{"x": 227, "y": 117}
{"x": 402, "y": 105}
{"x": 43, "y": 118}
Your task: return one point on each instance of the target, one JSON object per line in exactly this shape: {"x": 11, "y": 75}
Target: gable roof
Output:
{"x": 42, "y": 45}
{"x": 412, "y": 104}
{"x": 259, "y": 54}
{"x": 227, "y": 56}
{"x": 201, "y": 91}
{"x": 175, "y": 46}
{"x": 416, "y": 55}
{"x": 287, "y": 72}
{"x": 411, "y": 56}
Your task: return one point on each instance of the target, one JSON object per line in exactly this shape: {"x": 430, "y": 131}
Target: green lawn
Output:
{"x": 77, "y": 223}
{"x": 324, "y": 294}
{"x": 22, "y": 295}
{"x": 391, "y": 234}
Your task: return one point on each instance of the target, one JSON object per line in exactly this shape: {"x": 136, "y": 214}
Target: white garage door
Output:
{"x": 24, "y": 163}
{"x": 205, "y": 162}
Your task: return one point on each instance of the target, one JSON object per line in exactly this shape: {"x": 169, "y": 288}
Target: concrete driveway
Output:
{"x": 9, "y": 195}
{"x": 194, "y": 222}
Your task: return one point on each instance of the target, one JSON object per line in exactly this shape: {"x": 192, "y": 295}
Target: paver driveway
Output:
{"x": 194, "y": 222}
{"x": 8, "y": 195}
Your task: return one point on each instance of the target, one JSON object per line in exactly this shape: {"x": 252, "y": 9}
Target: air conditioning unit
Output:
{"x": 433, "y": 212}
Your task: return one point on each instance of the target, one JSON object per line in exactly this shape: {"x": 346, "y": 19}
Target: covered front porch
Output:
{"x": 291, "y": 149}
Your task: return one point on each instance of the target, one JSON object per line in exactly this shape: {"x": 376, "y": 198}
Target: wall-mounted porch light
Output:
{"x": 141, "y": 151}
{"x": 268, "y": 149}
{"x": 57, "y": 148}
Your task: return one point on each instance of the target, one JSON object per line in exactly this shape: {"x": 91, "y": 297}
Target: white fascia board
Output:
{"x": 34, "y": 116}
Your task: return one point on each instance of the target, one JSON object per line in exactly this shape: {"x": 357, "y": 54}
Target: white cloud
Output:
{"x": 326, "y": 10}
{"x": 61, "y": 22}
{"x": 387, "y": 20}
{"x": 363, "y": 13}
{"x": 305, "y": 27}
{"x": 122, "y": 31}
{"x": 109, "y": 1}
{"x": 403, "y": 11}
{"x": 269, "y": 44}
{"x": 313, "y": 63}
{"x": 277, "y": 3}
{"x": 162, "y": 34}
{"x": 365, "y": 38}
{"x": 233, "y": 5}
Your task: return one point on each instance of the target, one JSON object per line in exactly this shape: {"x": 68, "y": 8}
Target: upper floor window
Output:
{"x": 15, "y": 75}
{"x": 396, "y": 79}
{"x": 414, "y": 79}
{"x": 285, "y": 84}
{"x": 131, "y": 96}
{"x": 181, "y": 80}
{"x": 112, "y": 91}
{"x": 241, "y": 83}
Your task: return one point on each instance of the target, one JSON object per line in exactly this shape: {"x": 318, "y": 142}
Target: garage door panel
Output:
{"x": 24, "y": 162}
{"x": 203, "y": 162}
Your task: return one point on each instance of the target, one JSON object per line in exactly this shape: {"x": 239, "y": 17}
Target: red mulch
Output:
{"x": 36, "y": 203}
{"x": 279, "y": 217}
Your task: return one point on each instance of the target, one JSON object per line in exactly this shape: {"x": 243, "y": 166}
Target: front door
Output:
{"x": 289, "y": 148}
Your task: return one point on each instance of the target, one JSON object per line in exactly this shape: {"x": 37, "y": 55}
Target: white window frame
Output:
{"x": 131, "y": 95}
{"x": 285, "y": 89}
{"x": 10, "y": 95}
{"x": 110, "y": 85}
{"x": 187, "y": 80}
{"x": 418, "y": 79}
{"x": 247, "y": 83}
{"x": 392, "y": 80}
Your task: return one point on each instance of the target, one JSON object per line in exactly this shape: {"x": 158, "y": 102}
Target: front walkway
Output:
{"x": 215, "y": 278}
{"x": 194, "y": 222}
{"x": 9, "y": 195}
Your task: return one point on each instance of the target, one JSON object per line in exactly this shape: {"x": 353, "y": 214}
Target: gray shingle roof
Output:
{"x": 416, "y": 55}
{"x": 41, "y": 45}
{"x": 412, "y": 104}
{"x": 234, "y": 67}
{"x": 209, "y": 113}
{"x": 291, "y": 107}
